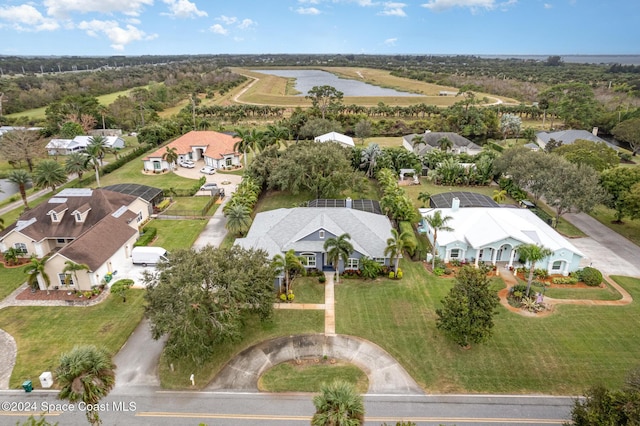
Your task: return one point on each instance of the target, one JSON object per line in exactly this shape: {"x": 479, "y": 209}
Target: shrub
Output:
{"x": 322, "y": 279}
{"x": 564, "y": 280}
{"x": 455, "y": 262}
{"x": 283, "y": 297}
{"x": 392, "y": 275}
{"x": 448, "y": 271}
{"x": 149, "y": 233}
{"x": 438, "y": 272}
{"x": 591, "y": 276}
{"x": 291, "y": 296}
{"x": 541, "y": 273}
{"x": 163, "y": 204}
{"x": 399, "y": 274}
{"x": 412, "y": 240}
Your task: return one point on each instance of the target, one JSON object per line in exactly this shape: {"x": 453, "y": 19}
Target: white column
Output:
{"x": 566, "y": 269}
{"x": 494, "y": 256}
{"x": 512, "y": 257}
{"x": 477, "y": 257}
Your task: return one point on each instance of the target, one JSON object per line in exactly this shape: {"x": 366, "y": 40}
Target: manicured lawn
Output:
{"x": 44, "y": 333}
{"x": 186, "y": 206}
{"x": 10, "y": 279}
{"x": 308, "y": 290}
{"x": 284, "y": 323}
{"x": 309, "y": 376}
{"x": 562, "y": 353}
{"x": 177, "y": 234}
{"x": 272, "y": 200}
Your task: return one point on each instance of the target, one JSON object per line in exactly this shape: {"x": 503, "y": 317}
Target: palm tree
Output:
{"x": 288, "y": 263}
{"x": 98, "y": 145}
{"x": 11, "y": 255}
{"x": 170, "y": 156}
{"x": 532, "y": 253}
{"x": 437, "y": 223}
{"x": 369, "y": 158}
{"x": 238, "y": 219}
{"x": 338, "y": 404}
{"x": 249, "y": 140}
{"x": 86, "y": 374}
{"x": 338, "y": 248}
{"x": 93, "y": 158}
{"x": 425, "y": 197}
{"x": 35, "y": 271}
{"x": 417, "y": 140}
{"x": 22, "y": 178}
{"x": 73, "y": 267}
{"x": 76, "y": 162}
{"x": 445, "y": 144}
{"x": 396, "y": 244}
{"x": 275, "y": 135}
{"x": 499, "y": 195}
{"x": 49, "y": 174}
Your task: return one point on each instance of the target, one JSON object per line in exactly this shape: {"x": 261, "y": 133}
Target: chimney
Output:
{"x": 595, "y": 131}
{"x": 455, "y": 204}
{"x": 348, "y": 203}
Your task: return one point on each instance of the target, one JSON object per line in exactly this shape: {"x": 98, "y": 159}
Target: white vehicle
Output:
{"x": 148, "y": 255}
{"x": 188, "y": 164}
{"x": 210, "y": 186}
{"x": 208, "y": 170}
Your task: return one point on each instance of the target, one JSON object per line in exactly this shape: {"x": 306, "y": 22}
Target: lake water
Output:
{"x": 8, "y": 189}
{"x": 307, "y": 79}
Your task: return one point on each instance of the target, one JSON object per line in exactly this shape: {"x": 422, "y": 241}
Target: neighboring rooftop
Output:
{"x": 570, "y": 136}
{"x": 467, "y": 199}
{"x": 147, "y": 193}
{"x": 371, "y": 206}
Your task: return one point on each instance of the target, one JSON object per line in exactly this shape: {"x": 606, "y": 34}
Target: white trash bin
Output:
{"x": 46, "y": 379}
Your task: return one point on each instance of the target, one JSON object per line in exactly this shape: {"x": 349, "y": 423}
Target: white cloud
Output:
{"x": 219, "y": 29}
{"x": 393, "y": 9}
{"x": 246, "y": 24}
{"x": 227, "y": 20}
{"x": 183, "y": 9}
{"x": 548, "y": 6}
{"x": 309, "y": 1}
{"x": 440, "y": 5}
{"x": 62, "y": 8}
{"x": 118, "y": 36}
{"x": 391, "y": 41}
{"x": 307, "y": 11}
{"x": 27, "y": 18}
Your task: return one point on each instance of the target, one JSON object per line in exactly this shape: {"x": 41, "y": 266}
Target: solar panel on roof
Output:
{"x": 467, "y": 199}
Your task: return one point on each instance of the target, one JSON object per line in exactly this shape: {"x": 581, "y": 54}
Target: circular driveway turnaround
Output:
{"x": 386, "y": 375}
{"x": 8, "y": 352}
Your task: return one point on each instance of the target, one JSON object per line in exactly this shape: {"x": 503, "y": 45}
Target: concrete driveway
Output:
{"x": 227, "y": 181}
{"x": 605, "y": 249}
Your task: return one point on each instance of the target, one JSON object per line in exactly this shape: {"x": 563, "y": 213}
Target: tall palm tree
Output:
{"x": 338, "y": 404}
{"x": 73, "y": 268}
{"x": 93, "y": 159}
{"x": 532, "y": 253}
{"x": 76, "y": 162}
{"x": 338, "y": 248}
{"x": 49, "y": 174}
{"x": 288, "y": 263}
{"x": 98, "y": 145}
{"x": 275, "y": 135}
{"x": 437, "y": 223}
{"x": 22, "y": 178}
{"x": 238, "y": 219}
{"x": 425, "y": 197}
{"x": 249, "y": 140}
{"x": 170, "y": 156}
{"x": 369, "y": 158}
{"x": 35, "y": 271}
{"x": 417, "y": 140}
{"x": 86, "y": 374}
{"x": 396, "y": 244}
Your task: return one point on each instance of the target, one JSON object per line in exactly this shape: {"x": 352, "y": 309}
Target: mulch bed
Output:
{"x": 27, "y": 294}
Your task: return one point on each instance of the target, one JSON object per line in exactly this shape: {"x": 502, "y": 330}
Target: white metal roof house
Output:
{"x": 343, "y": 140}
{"x": 493, "y": 235}
{"x": 306, "y": 229}
{"x": 431, "y": 141}
{"x": 570, "y": 136}
{"x": 79, "y": 144}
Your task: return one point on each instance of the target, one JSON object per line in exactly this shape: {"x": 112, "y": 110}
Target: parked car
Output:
{"x": 188, "y": 164}
{"x": 209, "y": 186}
{"x": 208, "y": 170}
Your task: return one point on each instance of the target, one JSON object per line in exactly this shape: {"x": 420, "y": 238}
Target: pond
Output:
{"x": 7, "y": 189}
{"x": 307, "y": 79}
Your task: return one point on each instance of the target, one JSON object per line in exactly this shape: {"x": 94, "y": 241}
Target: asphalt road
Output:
{"x": 148, "y": 407}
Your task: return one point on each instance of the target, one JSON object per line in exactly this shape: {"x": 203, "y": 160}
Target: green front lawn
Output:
{"x": 10, "y": 279}
{"x": 44, "y": 333}
{"x": 563, "y": 353}
{"x": 307, "y": 290}
{"x": 177, "y": 234}
{"x": 630, "y": 228}
{"x": 310, "y": 375}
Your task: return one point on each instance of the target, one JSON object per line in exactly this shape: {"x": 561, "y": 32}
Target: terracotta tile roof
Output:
{"x": 216, "y": 144}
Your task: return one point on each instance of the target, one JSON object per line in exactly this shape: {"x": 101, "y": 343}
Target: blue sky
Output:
{"x": 141, "y": 27}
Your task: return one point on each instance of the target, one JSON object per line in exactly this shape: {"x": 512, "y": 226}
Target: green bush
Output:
{"x": 283, "y": 297}
{"x": 291, "y": 296}
{"x": 541, "y": 273}
{"x": 163, "y": 204}
{"x": 149, "y": 233}
{"x": 591, "y": 276}
{"x": 448, "y": 271}
{"x": 392, "y": 275}
{"x": 438, "y": 272}
{"x": 322, "y": 279}
{"x": 564, "y": 280}
{"x": 412, "y": 240}
{"x": 399, "y": 275}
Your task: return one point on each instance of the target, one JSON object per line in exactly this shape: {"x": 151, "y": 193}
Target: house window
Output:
{"x": 157, "y": 165}
{"x": 321, "y": 234}
{"x": 310, "y": 259}
{"x": 228, "y": 161}
{"x": 352, "y": 263}
{"x": 557, "y": 265}
{"x": 21, "y": 247}
{"x": 379, "y": 260}
{"x": 66, "y": 280}
{"x": 139, "y": 219}
{"x": 78, "y": 217}
{"x": 54, "y": 217}
{"x": 455, "y": 253}
{"x": 60, "y": 240}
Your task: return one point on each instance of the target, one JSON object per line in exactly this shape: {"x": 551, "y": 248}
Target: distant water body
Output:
{"x": 576, "y": 59}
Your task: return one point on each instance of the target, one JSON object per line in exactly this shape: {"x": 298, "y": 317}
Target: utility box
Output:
{"x": 27, "y": 386}
{"x": 46, "y": 379}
